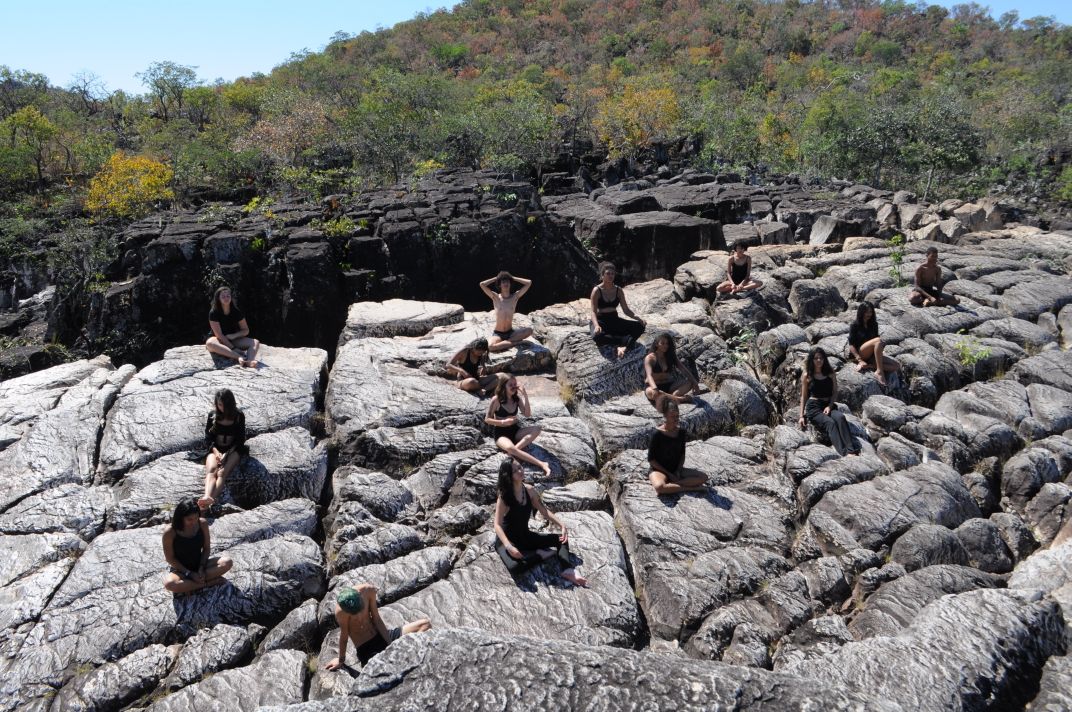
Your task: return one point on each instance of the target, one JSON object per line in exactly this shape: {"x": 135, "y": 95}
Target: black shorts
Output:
{"x": 504, "y": 335}
{"x": 376, "y": 645}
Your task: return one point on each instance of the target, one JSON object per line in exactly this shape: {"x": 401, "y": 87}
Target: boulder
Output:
{"x": 813, "y": 298}
{"x": 927, "y": 545}
{"x": 211, "y": 650}
{"x": 1055, "y": 687}
{"x": 281, "y": 393}
{"x": 275, "y": 678}
{"x": 114, "y": 685}
{"x": 985, "y": 546}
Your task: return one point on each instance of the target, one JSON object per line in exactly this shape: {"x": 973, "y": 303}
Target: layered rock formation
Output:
{"x": 930, "y": 572}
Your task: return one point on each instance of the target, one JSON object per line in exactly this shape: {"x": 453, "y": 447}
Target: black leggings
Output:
{"x": 617, "y": 331}
{"x": 529, "y": 556}
{"x": 835, "y": 425}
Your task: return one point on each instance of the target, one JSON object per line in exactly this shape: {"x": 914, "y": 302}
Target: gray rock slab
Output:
{"x": 299, "y": 630}
{"x": 1055, "y": 687}
{"x": 211, "y": 650}
{"x": 113, "y": 685}
{"x": 945, "y": 660}
{"x": 482, "y": 594}
{"x": 397, "y": 317}
{"x": 66, "y": 508}
{"x": 275, "y": 678}
{"x": 281, "y": 393}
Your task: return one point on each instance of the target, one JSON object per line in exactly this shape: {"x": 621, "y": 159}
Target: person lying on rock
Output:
{"x": 187, "y": 549}
{"x": 470, "y": 366}
{"x": 507, "y": 405}
{"x": 928, "y": 289}
{"x": 665, "y": 375}
{"x": 607, "y": 327}
{"x": 666, "y": 456}
{"x": 359, "y": 621}
{"x": 865, "y": 345}
{"x": 225, "y": 432}
{"x": 504, "y": 303}
{"x": 818, "y": 395}
{"x": 518, "y": 547}
{"x": 739, "y": 272}
{"x": 230, "y": 332}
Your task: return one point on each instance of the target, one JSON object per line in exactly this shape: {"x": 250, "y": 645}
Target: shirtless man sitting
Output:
{"x": 928, "y": 289}
{"x": 505, "y": 335}
{"x": 360, "y": 622}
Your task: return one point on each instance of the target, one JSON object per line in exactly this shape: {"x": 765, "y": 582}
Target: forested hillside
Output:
{"x": 891, "y": 93}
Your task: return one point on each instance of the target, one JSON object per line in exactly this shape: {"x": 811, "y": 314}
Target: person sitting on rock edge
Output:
{"x": 518, "y": 546}
{"x": 187, "y": 549}
{"x": 927, "y": 291}
{"x": 225, "y": 432}
{"x": 359, "y": 622}
{"x": 665, "y": 375}
{"x": 666, "y": 456}
{"x": 739, "y": 272}
{"x": 607, "y": 327}
{"x": 504, "y": 302}
{"x": 866, "y": 346}
{"x": 509, "y": 402}
{"x": 230, "y": 332}
{"x": 818, "y": 395}
{"x": 471, "y": 367}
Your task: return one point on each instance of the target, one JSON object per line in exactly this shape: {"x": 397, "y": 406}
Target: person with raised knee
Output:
{"x": 230, "y": 331}
{"x": 504, "y": 301}
{"x": 927, "y": 291}
{"x": 359, "y": 621}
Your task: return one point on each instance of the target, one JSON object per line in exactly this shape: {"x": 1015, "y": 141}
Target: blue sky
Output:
{"x": 225, "y": 38}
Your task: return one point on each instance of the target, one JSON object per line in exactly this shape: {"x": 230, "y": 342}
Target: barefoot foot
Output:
{"x": 574, "y": 578}
{"x": 205, "y": 502}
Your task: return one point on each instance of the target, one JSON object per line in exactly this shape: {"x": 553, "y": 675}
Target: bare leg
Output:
{"x": 690, "y": 483}
{"x": 217, "y": 568}
{"x": 214, "y": 346}
{"x": 212, "y": 467}
{"x": 497, "y": 344}
{"x": 469, "y": 384}
{"x": 871, "y": 350}
{"x": 725, "y": 287}
{"x": 177, "y": 584}
{"x": 575, "y": 578}
{"x": 520, "y": 335}
{"x": 750, "y": 285}
{"x": 514, "y": 451}
{"x": 418, "y": 626}
{"x": 879, "y": 373}
{"x": 249, "y": 346}
{"x": 229, "y": 462}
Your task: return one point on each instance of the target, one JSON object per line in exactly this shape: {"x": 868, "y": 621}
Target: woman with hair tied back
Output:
{"x": 865, "y": 345}
{"x": 818, "y": 393}
{"x": 607, "y": 327}
{"x": 187, "y": 550}
{"x": 518, "y": 546}
{"x": 225, "y": 433}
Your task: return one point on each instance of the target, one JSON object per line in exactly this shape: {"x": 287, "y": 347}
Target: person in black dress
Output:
{"x": 818, "y": 394}
{"x": 225, "y": 433}
{"x": 607, "y": 327}
{"x": 520, "y": 548}
{"x": 470, "y": 366}
{"x": 507, "y": 406}
{"x": 666, "y": 456}
{"x": 230, "y": 332}
{"x": 187, "y": 550}
{"x": 739, "y": 272}
{"x": 866, "y": 346}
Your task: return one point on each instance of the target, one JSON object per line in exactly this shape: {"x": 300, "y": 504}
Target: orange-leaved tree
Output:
{"x": 128, "y": 186}
{"x": 630, "y": 120}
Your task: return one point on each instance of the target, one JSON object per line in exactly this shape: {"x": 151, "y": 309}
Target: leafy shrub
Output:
{"x": 129, "y": 186}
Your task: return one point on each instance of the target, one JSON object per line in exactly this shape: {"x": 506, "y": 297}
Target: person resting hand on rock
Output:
{"x": 518, "y": 547}
{"x": 927, "y": 291}
{"x": 665, "y": 375}
{"x": 607, "y": 327}
{"x": 510, "y": 402}
{"x": 818, "y": 394}
{"x": 866, "y": 346}
{"x": 470, "y": 367}
{"x": 359, "y": 622}
{"x": 504, "y": 301}
{"x": 225, "y": 431}
{"x": 666, "y": 456}
{"x": 230, "y": 332}
{"x": 187, "y": 549}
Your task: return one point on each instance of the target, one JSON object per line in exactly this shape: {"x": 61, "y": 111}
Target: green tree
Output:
{"x": 31, "y": 132}
{"x": 167, "y": 83}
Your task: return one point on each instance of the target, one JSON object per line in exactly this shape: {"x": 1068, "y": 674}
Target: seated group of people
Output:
{"x": 668, "y": 382}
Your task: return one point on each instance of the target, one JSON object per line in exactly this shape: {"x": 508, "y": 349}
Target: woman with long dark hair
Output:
{"x": 607, "y": 327}
{"x": 507, "y": 405}
{"x": 230, "y": 332}
{"x": 187, "y": 550}
{"x": 865, "y": 345}
{"x": 470, "y": 367}
{"x": 665, "y": 375}
{"x": 225, "y": 433}
{"x": 818, "y": 395}
{"x": 519, "y": 547}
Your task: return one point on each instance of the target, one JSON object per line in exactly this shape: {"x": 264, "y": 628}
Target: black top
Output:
{"x": 470, "y": 367}
{"x": 229, "y": 323}
{"x": 821, "y": 388}
{"x": 502, "y": 412}
{"x": 859, "y": 335}
{"x": 667, "y": 451}
{"x": 226, "y": 437}
{"x": 657, "y": 367}
{"x": 188, "y": 549}
{"x": 516, "y": 519}
{"x": 603, "y": 303}
{"x": 739, "y": 272}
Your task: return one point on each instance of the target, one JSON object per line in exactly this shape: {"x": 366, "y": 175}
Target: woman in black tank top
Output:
{"x": 738, "y": 273}
{"x": 470, "y": 367}
{"x": 607, "y": 327}
{"x": 818, "y": 393}
{"x": 187, "y": 548}
{"x": 518, "y": 546}
{"x": 504, "y": 411}
{"x": 665, "y": 375}
{"x": 225, "y": 434}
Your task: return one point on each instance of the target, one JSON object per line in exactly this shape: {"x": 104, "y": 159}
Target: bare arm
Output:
{"x": 805, "y": 385}
{"x": 218, "y": 333}
{"x": 729, "y": 269}
{"x": 453, "y": 367}
{"x": 523, "y": 403}
{"x": 208, "y": 546}
{"x": 343, "y": 620}
{"x": 243, "y": 330}
{"x": 919, "y": 284}
{"x": 500, "y": 516}
{"x": 543, "y": 510}
{"x": 168, "y": 541}
{"x": 526, "y": 284}
{"x": 374, "y": 611}
{"x": 595, "y": 309}
{"x": 485, "y": 287}
{"x": 497, "y": 422}
{"x": 649, "y": 377}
